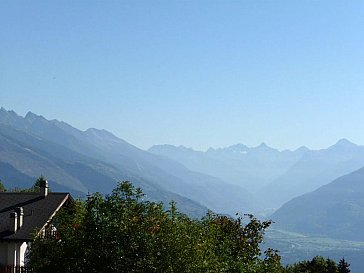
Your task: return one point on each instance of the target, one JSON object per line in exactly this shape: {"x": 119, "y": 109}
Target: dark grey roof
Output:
{"x": 38, "y": 210}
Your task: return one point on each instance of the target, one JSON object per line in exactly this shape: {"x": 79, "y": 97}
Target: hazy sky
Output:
{"x": 195, "y": 73}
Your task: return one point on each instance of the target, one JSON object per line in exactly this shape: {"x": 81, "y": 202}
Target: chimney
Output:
{"x": 20, "y": 212}
{"x": 44, "y": 188}
{"x": 13, "y": 222}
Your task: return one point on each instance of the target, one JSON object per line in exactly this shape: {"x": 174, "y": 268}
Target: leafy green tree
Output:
{"x": 121, "y": 232}
{"x": 52, "y": 253}
{"x": 343, "y": 267}
{"x": 271, "y": 262}
{"x": 317, "y": 265}
{"x": 331, "y": 266}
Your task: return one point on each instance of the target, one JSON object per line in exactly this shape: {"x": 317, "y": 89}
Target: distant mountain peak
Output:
{"x": 263, "y": 145}
{"x": 31, "y": 116}
{"x": 4, "y": 111}
{"x": 302, "y": 149}
{"x": 94, "y": 130}
{"x": 99, "y": 132}
{"x": 8, "y": 116}
{"x": 182, "y": 147}
{"x": 344, "y": 143}
{"x": 239, "y": 148}
{"x": 103, "y": 134}
{"x": 171, "y": 148}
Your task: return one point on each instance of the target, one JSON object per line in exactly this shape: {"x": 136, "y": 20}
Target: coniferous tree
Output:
{"x": 343, "y": 266}
{"x": 38, "y": 182}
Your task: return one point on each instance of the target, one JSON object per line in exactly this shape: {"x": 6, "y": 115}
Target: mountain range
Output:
{"x": 239, "y": 164}
{"x": 94, "y": 160}
{"x": 226, "y": 180}
{"x": 315, "y": 169}
{"x": 272, "y": 176}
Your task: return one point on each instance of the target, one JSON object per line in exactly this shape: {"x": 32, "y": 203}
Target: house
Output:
{"x": 21, "y": 215}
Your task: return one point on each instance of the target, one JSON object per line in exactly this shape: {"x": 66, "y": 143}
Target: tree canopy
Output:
{"x": 121, "y": 232}
{"x": 343, "y": 266}
{"x": 317, "y": 265}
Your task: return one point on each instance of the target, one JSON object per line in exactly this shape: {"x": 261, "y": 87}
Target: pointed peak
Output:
{"x": 2, "y": 109}
{"x": 344, "y": 142}
{"x": 263, "y": 145}
{"x": 30, "y": 115}
{"x": 302, "y": 149}
{"x": 8, "y": 115}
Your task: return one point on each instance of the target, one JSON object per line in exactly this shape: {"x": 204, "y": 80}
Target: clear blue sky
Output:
{"x": 195, "y": 73}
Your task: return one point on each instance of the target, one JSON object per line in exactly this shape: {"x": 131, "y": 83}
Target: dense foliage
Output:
{"x": 121, "y": 232}
{"x": 344, "y": 266}
{"x": 317, "y": 265}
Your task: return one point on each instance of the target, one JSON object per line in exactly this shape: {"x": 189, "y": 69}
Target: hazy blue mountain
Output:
{"x": 335, "y": 210}
{"x": 34, "y": 156}
{"x": 24, "y": 157}
{"x": 9, "y": 173}
{"x": 114, "y": 158}
{"x": 315, "y": 169}
{"x": 252, "y": 168}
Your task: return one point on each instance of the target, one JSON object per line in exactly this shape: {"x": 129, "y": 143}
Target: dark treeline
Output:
{"x": 121, "y": 232}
